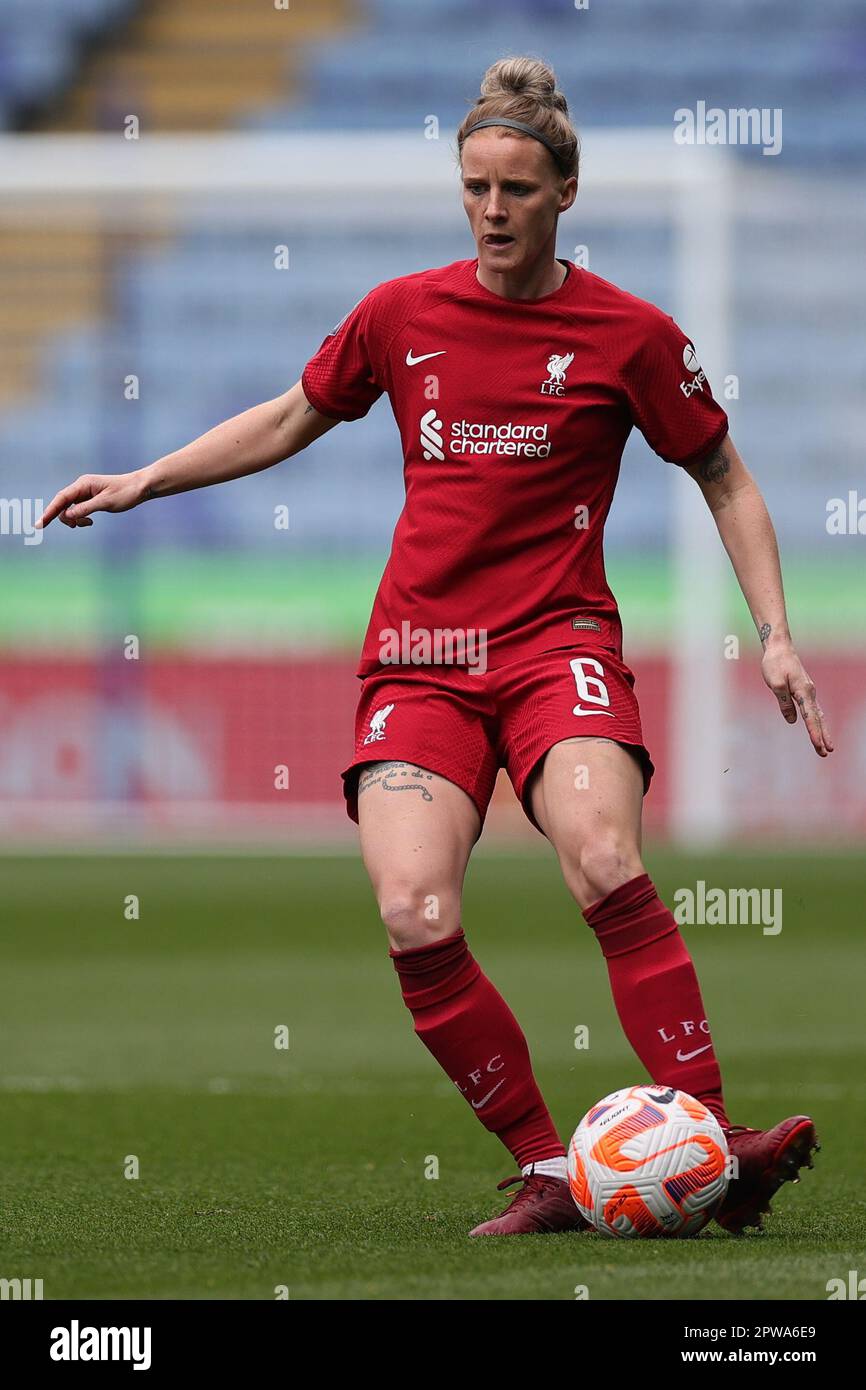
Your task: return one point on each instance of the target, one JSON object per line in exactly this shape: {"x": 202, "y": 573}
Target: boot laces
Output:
{"x": 531, "y": 1182}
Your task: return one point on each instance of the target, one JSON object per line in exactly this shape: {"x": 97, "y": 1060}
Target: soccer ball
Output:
{"x": 648, "y": 1161}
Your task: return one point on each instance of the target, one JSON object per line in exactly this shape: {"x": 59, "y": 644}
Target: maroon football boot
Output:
{"x": 766, "y": 1159}
{"x": 542, "y": 1206}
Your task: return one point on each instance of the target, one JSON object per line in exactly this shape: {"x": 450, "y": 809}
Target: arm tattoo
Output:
{"x": 714, "y": 467}
{"x": 764, "y": 633}
{"x": 309, "y": 410}
{"x": 379, "y": 773}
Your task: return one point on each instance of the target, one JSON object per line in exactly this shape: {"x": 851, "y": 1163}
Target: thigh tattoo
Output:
{"x": 378, "y": 776}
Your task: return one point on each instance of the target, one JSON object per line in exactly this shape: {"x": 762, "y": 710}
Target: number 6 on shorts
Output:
{"x": 587, "y": 684}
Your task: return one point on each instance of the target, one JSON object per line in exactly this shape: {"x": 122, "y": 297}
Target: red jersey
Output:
{"x": 513, "y": 416}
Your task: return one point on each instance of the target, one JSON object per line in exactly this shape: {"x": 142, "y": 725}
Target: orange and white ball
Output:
{"x": 648, "y": 1161}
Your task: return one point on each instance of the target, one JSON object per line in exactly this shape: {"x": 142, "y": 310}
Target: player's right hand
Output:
{"x": 93, "y": 492}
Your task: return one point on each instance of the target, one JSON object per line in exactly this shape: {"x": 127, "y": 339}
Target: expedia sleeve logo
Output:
{"x": 691, "y": 364}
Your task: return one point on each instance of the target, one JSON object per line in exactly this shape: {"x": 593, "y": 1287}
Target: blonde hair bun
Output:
{"x": 524, "y": 77}
{"x": 524, "y": 89}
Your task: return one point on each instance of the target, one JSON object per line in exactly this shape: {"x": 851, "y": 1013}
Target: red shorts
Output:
{"x": 465, "y": 726}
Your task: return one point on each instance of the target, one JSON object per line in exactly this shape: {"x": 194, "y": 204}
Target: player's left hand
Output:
{"x": 784, "y": 673}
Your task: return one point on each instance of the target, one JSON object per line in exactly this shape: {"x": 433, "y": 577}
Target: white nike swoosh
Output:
{"x": 411, "y": 361}
{"x": 477, "y": 1104}
{"x": 687, "y": 1056}
{"x": 578, "y": 709}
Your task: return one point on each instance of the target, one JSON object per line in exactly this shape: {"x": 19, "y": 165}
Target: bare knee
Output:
{"x": 604, "y": 861}
{"x": 413, "y": 916}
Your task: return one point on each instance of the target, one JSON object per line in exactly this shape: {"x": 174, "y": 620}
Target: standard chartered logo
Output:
{"x": 431, "y": 439}
{"x": 478, "y": 437}
{"x": 471, "y": 437}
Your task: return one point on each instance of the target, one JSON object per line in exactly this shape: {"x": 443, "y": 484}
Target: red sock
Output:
{"x": 476, "y": 1039}
{"x": 656, "y": 991}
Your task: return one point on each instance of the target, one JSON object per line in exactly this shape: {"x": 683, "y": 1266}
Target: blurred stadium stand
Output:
{"x": 41, "y": 49}
{"x": 621, "y": 64}
{"x": 198, "y": 314}
{"x": 84, "y": 64}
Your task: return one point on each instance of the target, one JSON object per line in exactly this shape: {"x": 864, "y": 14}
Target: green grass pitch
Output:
{"x": 305, "y": 1167}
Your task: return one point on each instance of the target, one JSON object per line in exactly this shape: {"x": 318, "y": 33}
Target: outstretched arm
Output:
{"x": 247, "y": 443}
{"x": 744, "y": 525}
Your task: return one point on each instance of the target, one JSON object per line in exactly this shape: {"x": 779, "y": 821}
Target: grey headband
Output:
{"x": 515, "y": 125}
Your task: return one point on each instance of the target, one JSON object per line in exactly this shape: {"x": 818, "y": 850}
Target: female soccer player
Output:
{"x": 515, "y": 379}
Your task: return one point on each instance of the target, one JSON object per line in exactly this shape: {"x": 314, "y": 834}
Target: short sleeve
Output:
{"x": 668, "y": 392}
{"x": 343, "y": 379}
